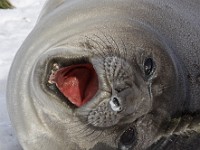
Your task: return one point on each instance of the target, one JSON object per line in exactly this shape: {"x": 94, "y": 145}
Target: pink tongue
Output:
{"x": 78, "y": 83}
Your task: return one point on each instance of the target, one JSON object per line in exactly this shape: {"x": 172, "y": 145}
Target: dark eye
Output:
{"x": 127, "y": 139}
{"x": 148, "y": 66}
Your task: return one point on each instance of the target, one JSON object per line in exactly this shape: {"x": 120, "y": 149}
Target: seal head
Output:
{"x": 93, "y": 79}
{"x": 124, "y": 83}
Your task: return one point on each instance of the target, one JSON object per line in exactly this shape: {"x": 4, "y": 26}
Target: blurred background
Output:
{"x": 15, "y": 24}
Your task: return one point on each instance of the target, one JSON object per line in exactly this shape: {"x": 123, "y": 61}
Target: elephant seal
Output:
{"x": 96, "y": 75}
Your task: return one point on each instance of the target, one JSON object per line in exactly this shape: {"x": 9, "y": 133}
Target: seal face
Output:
{"x": 106, "y": 88}
{"x": 125, "y": 95}
{"x": 125, "y": 84}
{"x": 132, "y": 84}
{"x": 92, "y": 79}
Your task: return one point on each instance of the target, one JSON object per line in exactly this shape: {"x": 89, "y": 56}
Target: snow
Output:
{"x": 15, "y": 24}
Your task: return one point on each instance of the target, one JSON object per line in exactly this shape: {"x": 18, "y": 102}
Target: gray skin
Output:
{"x": 158, "y": 110}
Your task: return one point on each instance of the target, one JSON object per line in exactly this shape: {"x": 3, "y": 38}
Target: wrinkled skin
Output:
{"x": 146, "y": 57}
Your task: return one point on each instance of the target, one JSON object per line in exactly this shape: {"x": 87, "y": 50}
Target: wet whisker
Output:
{"x": 100, "y": 52}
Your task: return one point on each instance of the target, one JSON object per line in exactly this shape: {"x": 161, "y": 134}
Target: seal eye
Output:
{"x": 127, "y": 139}
{"x": 148, "y": 66}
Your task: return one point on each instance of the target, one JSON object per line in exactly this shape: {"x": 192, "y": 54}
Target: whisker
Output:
{"x": 101, "y": 41}
{"x": 109, "y": 49}
{"x": 99, "y": 52}
{"x": 88, "y": 132}
{"x": 124, "y": 50}
{"x": 118, "y": 52}
{"x": 97, "y": 136}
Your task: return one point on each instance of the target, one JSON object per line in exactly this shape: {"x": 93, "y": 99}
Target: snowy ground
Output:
{"x": 15, "y": 24}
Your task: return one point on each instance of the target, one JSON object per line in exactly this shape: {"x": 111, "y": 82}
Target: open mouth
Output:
{"x": 77, "y": 82}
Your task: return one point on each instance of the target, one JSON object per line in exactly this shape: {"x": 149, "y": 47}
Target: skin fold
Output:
{"x": 146, "y": 56}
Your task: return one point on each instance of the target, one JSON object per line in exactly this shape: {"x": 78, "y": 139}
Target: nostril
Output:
{"x": 115, "y": 104}
{"x": 116, "y": 101}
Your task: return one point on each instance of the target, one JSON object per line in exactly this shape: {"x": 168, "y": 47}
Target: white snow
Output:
{"x": 15, "y": 24}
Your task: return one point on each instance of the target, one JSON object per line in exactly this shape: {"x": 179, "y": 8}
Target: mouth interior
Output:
{"x": 79, "y": 83}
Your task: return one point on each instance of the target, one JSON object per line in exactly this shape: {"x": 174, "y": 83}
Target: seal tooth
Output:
{"x": 55, "y": 67}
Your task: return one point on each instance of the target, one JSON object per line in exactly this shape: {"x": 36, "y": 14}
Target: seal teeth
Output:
{"x": 55, "y": 68}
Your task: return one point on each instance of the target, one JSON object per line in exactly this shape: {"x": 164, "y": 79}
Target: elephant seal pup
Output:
{"x": 96, "y": 75}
